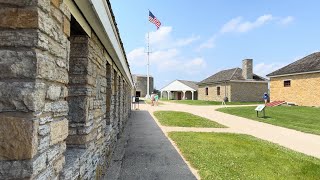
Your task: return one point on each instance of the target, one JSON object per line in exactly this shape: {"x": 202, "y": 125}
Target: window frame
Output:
{"x": 218, "y": 91}
{"x": 285, "y": 83}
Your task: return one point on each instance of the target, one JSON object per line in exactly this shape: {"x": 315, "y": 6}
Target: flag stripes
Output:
{"x": 154, "y": 20}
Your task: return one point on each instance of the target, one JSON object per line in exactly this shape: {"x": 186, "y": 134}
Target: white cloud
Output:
{"x": 210, "y": 43}
{"x": 187, "y": 41}
{"x": 194, "y": 65}
{"x": 166, "y": 54}
{"x": 231, "y": 25}
{"x": 160, "y": 56}
{"x": 287, "y": 20}
{"x": 262, "y": 69}
{"x": 238, "y": 25}
{"x": 163, "y": 39}
{"x": 159, "y": 36}
{"x": 167, "y": 60}
{"x": 137, "y": 57}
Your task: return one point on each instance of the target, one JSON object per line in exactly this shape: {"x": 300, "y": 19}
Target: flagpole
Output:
{"x": 148, "y": 53}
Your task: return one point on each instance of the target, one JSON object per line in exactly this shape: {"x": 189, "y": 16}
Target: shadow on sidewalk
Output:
{"x": 144, "y": 152}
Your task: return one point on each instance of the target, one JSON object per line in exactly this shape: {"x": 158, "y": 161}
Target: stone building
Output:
{"x": 236, "y": 84}
{"x": 141, "y": 82}
{"x": 297, "y": 83}
{"x": 180, "y": 90}
{"x": 65, "y": 87}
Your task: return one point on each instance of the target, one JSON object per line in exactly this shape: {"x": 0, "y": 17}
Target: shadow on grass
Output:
{"x": 265, "y": 117}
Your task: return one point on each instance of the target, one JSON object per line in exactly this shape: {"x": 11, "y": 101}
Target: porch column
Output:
{"x": 168, "y": 95}
{"x": 184, "y": 95}
{"x": 192, "y": 92}
{"x": 161, "y": 94}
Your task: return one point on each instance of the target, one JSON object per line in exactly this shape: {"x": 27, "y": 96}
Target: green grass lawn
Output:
{"x": 206, "y": 103}
{"x": 235, "y": 156}
{"x": 183, "y": 119}
{"x": 304, "y": 119}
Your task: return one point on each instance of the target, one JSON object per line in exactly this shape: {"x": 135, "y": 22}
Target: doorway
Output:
{"x": 138, "y": 94}
{"x": 179, "y": 95}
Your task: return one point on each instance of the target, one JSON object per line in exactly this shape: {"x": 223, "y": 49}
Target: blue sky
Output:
{"x": 200, "y": 38}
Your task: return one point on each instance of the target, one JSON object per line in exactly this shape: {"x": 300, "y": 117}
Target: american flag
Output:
{"x": 154, "y": 20}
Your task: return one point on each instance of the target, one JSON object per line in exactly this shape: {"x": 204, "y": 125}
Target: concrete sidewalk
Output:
{"x": 144, "y": 152}
{"x": 299, "y": 141}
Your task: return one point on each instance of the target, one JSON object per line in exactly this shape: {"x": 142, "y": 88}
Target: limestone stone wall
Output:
{"x": 34, "y": 50}
{"x": 304, "y": 90}
{"x": 235, "y": 91}
{"x": 141, "y": 84}
{"x": 63, "y": 103}
{"x": 225, "y": 90}
{"x": 248, "y": 91}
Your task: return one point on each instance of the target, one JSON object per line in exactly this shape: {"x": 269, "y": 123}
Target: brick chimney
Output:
{"x": 247, "y": 71}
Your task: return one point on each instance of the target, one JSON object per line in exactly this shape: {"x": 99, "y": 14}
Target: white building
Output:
{"x": 180, "y": 89}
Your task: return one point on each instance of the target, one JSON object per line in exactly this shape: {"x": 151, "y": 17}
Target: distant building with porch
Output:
{"x": 140, "y": 82}
{"x": 297, "y": 83}
{"x": 236, "y": 84}
{"x": 180, "y": 89}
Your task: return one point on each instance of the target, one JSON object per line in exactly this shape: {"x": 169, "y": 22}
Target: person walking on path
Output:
{"x": 152, "y": 98}
{"x": 265, "y": 98}
{"x": 156, "y": 99}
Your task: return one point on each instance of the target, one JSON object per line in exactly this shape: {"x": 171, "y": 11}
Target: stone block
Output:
{"x": 78, "y": 79}
{"x": 79, "y": 50}
{"x": 18, "y": 64}
{"x": 44, "y": 5}
{"x": 44, "y": 143}
{"x": 56, "y": 3}
{"x": 15, "y": 3}
{"x": 80, "y": 139}
{"x": 51, "y": 27}
{"x": 54, "y": 152}
{"x": 58, "y": 164}
{"x": 18, "y": 138}
{"x": 47, "y": 69}
{"x": 85, "y": 130}
{"x": 66, "y": 26}
{"x": 16, "y": 169}
{"x": 59, "y": 131}
{"x": 79, "y": 66}
{"x": 18, "y": 17}
{"x": 72, "y": 131}
{"x": 48, "y": 173}
{"x": 57, "y": 14}
{"x": 53, "y": 92}
{"x": 64, "y": 92}
{"x": 79, "y": 109}
{"x": 59, "y": 108}
{"x": 44, "y": 120}
{"x": 44, "y": 129}
{"x": 22, "y": 37}
{"x": 39, "y": 163}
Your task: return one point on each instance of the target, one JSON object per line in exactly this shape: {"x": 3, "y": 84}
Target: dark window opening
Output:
{"x": 207, "y": 91}
{"x": 287, "y": 83}
{"x": 218, "y": 91}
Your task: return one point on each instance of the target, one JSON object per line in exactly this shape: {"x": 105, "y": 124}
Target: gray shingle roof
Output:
{"x": 306, "y": 64}
{"x": 191, "y": 84}
{"x": 227, "y": 75}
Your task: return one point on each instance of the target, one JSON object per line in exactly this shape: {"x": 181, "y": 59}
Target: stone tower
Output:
{"x": 247, "y": 69}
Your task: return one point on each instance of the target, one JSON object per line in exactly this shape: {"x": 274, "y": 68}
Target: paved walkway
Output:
{"x": 144, "y": 152}
{"x": 302, "y": 142}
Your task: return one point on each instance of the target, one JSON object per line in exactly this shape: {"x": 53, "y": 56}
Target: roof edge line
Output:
{"x": 291, "y": 74}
